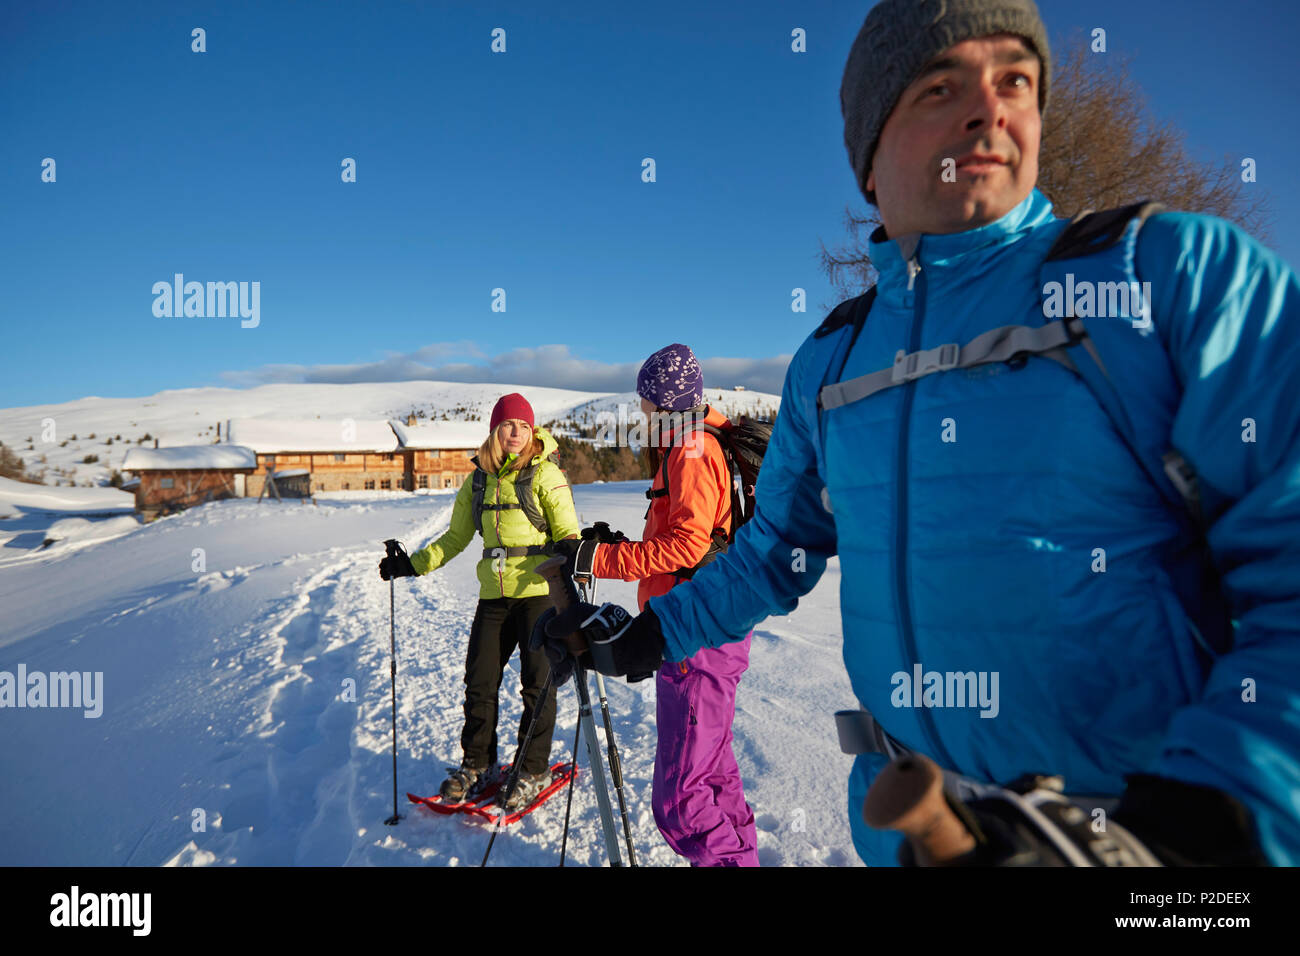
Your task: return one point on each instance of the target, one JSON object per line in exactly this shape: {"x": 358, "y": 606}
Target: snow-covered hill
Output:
{"x": 228, "y": 637}
{"x": 59, "y": 438}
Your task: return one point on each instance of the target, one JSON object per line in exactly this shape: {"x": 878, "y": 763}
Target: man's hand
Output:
{"x": 616, "y": 643}
{"x": 1031, "y": 823}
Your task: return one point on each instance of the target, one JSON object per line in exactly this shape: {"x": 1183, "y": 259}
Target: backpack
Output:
{"x": 743, "y": 443}
{"x": 527, "y": 503}
{"x": 1144, "y": 430}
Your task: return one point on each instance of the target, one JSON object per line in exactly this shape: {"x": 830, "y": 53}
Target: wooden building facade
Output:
{"x": 173, "y": 479}
{"x": 360, "y": 455}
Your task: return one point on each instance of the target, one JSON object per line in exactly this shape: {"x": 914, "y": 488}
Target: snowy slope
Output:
{"x": 226, "y": 636}
{"x": 64, "y": 435}
{"x": 18, "y": 497}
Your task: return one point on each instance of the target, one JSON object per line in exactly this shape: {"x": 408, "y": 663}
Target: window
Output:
{"x": 370, "y": 484}
{"x": 386, "y": 484}
{"x": 166, "y": 483}
{"x": 269, "y": 460}
{"x": 423, "y": 481}
{"x": 340, "y": 457}
{"x": 387, "y": 456}
{"x": 345, "y": 486}
{"x": 446, "y": 482}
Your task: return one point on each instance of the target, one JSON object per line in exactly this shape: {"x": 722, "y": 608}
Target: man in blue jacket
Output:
{"x": 1090, "y": 516}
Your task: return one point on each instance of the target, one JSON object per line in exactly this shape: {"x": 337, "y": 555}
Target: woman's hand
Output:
{"x": 397, "y": 564}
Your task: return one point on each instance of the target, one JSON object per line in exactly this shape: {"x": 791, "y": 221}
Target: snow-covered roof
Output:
{"x": 290, "y": 473}
{"x": 183, "y": 457}
{"x": 446, "y": 434}
{"x": 269, "y": 436}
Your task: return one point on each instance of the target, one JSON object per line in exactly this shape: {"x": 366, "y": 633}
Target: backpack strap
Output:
{"x": 1008, "y": 343}
{"x": 716, "y": 432}
{"x": 1092, "y": 232}
{"x": 528, "y": 501}
{"x": 851, "y": 311}
{"x": 1088, "y": 234}
{"x": 478, "y": 489}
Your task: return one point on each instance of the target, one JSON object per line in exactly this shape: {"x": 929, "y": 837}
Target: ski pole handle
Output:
{"x": 908, "y": 796}
{"x": 563, "y": 596}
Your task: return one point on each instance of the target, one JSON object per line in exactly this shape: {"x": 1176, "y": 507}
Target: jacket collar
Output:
{"x": 889, "y": 256}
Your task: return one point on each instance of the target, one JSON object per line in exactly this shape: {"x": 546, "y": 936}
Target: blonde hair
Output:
{"x": 492, "y": 453}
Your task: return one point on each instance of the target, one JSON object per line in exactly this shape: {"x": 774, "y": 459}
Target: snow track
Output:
{"x": 247, "y": 705}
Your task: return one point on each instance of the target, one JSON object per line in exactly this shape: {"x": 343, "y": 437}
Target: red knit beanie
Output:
{"x": 511, "y": 406}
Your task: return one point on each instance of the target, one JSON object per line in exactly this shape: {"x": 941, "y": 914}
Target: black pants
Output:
{"x": 500, "y": 625}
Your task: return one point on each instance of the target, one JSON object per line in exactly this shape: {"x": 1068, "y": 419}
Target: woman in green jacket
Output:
{"x": 520, "y": 502}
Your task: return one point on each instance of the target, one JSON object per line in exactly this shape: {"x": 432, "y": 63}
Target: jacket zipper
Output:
{"x": 496, "y": 514}
{"x": 926, "y": 719}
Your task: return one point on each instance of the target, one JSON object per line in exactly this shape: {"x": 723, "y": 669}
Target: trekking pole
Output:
{"x": 563, "y": 596}
{"x": 588, "y": 724}
{"x": 394, "y": 549}
{"x": 908, "y": 796}
{"x": 615, "y": 765}
{"x": 573, "y": 774}
{"x": 518, "y": 763}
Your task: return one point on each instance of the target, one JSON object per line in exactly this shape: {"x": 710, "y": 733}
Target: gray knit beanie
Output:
{"x": 899, "y": 37}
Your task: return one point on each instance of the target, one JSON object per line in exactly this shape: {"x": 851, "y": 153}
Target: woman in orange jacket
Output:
{"x": 699, "y": 802}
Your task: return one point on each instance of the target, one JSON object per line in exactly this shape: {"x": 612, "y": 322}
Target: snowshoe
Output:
{"x": 527, "y": 789}
{"x": 481, "y": 804}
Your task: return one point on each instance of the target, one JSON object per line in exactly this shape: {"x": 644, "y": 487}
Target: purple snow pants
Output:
{"x": 698, "y": 799}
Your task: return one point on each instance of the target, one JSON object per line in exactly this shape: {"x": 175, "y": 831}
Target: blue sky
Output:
{"x": 478, "y": 171}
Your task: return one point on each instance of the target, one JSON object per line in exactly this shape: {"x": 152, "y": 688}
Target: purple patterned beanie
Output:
{"x": 671, "y": 379}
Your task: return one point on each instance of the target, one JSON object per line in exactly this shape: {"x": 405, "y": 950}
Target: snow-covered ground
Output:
{"x": 228, "y": 637}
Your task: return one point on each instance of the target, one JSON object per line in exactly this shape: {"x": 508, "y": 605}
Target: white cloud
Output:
{"x": 552, "y": 366}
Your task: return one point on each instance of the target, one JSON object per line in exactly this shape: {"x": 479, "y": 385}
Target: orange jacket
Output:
{"x": 679, "y": 524}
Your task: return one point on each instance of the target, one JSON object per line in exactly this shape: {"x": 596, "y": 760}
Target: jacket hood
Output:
{"x": 549, "y": 444}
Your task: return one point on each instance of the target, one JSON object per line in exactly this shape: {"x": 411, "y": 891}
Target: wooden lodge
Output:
{"x": 367, "y": 455}
{"x": 172, "y": 479}
{"x": 304, "y": 457}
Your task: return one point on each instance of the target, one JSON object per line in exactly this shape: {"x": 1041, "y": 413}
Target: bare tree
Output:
{"x": 1101, "y": 148}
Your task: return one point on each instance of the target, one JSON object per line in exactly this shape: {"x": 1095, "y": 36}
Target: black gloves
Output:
{"x": 618, "y": 645}
{"x": 600, "y": 532}
{"x": 397, "y": 564}
{"x": 1186, "y": 824}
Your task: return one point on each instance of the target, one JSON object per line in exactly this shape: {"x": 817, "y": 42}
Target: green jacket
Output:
{"x": 507, "y": 577}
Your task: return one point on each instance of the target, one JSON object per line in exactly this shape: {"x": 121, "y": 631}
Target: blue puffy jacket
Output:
{"x": 992, "y": 520}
